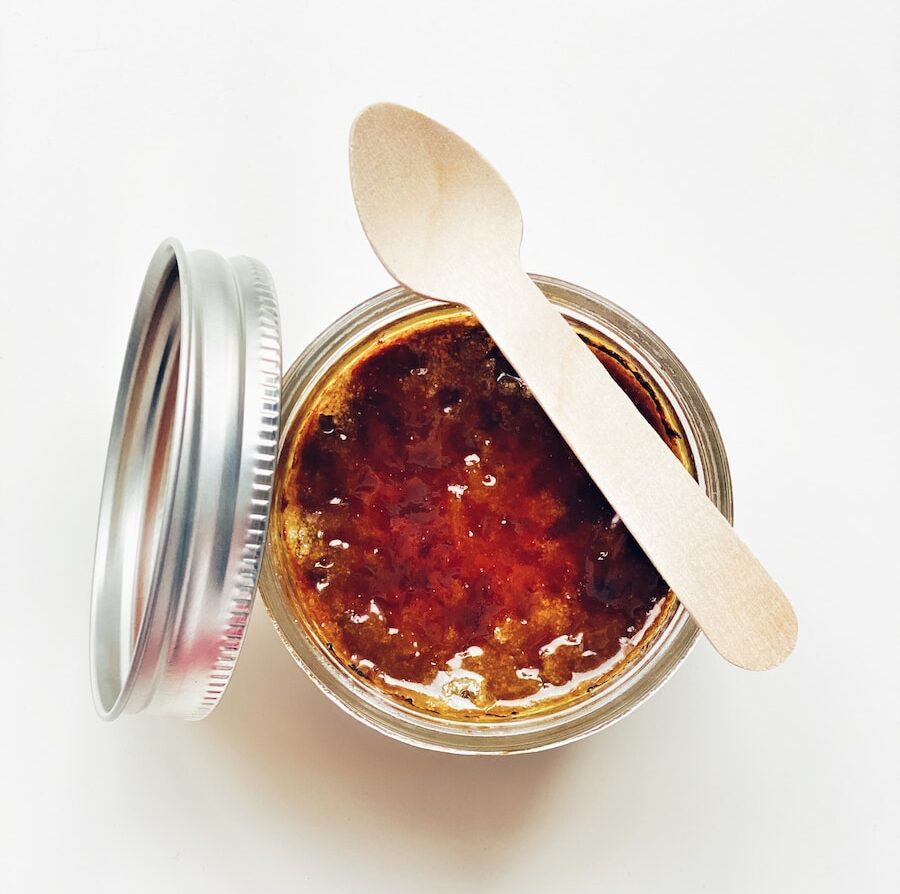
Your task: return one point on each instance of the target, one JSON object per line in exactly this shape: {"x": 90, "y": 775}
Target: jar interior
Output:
{"x": 450, "y": 701}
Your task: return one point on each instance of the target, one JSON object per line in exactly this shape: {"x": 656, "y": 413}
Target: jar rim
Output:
{"x": 627, "y": 689}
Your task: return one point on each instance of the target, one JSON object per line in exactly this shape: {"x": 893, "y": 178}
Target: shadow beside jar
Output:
{"x": 299, "y": 747}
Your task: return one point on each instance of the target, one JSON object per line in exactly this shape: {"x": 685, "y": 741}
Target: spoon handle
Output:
{"x": 742, "y": 611}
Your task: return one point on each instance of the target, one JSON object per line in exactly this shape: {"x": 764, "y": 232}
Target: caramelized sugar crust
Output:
{"x": 443, "y": 540}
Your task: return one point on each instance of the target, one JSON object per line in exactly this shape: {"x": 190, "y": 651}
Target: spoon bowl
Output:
{"x": 416, "y": 184}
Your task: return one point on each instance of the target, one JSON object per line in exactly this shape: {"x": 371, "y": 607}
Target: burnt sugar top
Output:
{"x": 444, "y": 542}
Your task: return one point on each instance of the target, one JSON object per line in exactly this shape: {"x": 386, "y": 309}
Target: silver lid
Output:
{"x": 188, "y": 485}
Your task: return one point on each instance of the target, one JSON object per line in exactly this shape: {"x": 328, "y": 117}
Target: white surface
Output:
{"x": 728, "y": 172}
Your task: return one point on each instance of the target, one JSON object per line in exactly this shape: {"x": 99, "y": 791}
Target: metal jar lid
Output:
{"x": 188, "y": 485}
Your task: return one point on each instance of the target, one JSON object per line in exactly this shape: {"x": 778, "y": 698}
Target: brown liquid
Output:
{"x": 444, "y": 541}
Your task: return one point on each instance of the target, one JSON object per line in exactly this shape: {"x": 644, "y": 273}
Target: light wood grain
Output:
{"x": 445, "y": 224}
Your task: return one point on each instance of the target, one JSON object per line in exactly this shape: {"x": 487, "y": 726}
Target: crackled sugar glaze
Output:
{"x": 444, "y": 542}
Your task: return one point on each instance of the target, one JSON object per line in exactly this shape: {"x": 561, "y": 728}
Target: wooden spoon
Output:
{"x": 445, "y": 225}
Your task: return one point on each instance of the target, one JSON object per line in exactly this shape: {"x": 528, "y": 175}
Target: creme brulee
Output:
{"x": 445, "y": 543}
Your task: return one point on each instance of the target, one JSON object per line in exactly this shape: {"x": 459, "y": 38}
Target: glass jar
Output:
{"x": 612, "y": 700}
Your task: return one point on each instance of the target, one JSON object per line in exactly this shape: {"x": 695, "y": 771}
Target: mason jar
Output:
{"x": 676, "y": 391}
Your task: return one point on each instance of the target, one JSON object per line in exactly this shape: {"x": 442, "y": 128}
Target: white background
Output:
{"x": 727, "y": 171}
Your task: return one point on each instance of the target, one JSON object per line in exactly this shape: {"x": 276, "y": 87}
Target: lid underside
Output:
{"x": 188, "y": 484}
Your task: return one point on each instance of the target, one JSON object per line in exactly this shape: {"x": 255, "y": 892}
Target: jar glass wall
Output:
{"x": 655, "y": 362}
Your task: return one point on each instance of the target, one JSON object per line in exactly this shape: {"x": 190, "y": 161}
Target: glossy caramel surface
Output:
{"x": 444, "y": 542}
